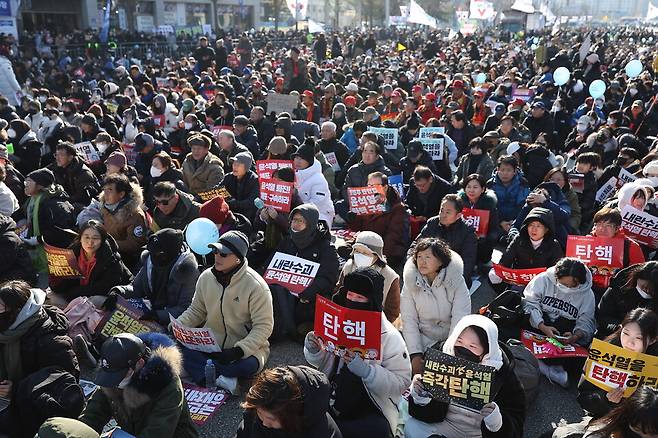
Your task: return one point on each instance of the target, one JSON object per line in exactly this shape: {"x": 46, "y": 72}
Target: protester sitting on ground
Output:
{"x": 173, "y": 207}
{"x": 15, "y": 262}
{"x": 474, "y": 195}
{"x": 242, "y": 185}
{"x": 426, "y": 191}
{"x": 74, "y": 176}
{"x": 510, "y": 188}
{"x": 476, "y": 161}
{"x": 475, "y": 339}
{"x": 434, "y": 297}
{"x": 233, "y": 301}
{"x": 559, "y": 177}
{"x": 311, "y": 186}
{"x": 163, "y": 168}
{"x": 202, "y": 170}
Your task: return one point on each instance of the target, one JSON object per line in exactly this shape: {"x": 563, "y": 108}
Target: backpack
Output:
{"x": 526, "y": 368}
{"x": 83, "y": 317}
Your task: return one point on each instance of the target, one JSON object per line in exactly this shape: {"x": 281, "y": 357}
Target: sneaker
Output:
{"x": 555, "y": 374}
{"x": 81, "y": 348}
{"x": 228, "y": 383}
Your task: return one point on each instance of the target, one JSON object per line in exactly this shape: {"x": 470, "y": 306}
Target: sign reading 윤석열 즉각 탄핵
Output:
{"x": 293, "y": 273}
{"x": 459, "y": 381}
{"x": 341, "y": 330}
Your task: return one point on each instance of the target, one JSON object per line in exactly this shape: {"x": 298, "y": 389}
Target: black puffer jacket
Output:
{"x": 78, "y": 180}
{"x": 316, "y": 421}
{"x": 108, "y": 272}
{"x": 15, "y": 262}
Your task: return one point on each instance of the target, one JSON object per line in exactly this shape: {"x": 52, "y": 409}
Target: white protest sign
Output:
{"x": 199, "y": 339}
{"x": 281, "y": 103}
{"x": 390, "y": 136}
{"x": 430, "y": 132}
{"x": 88, "y": 151}
{"x": 606, "y": 190}
{"x": 434, "y": 146}
{"x": 293, "y": 273}
{"x": 332, "y": 160}
{"x": 625, "y": 177}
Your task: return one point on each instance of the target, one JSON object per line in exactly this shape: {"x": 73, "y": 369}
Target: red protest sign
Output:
{"x": 159, "y": 121}
{"x": 542, "y": 348}
{"x": 62, "y": 262}
{"x": 519, "y": 277}
{"x": 640, "y": 226}
{"x": 366, "y": 200}
{"x": 478, "y": 219}
{"x": 293, "y": 273}
{"x": 277, "y": 194}
{"x": 599, "y": 252}
{"x": 577, "y": 182}
{"x": 203, "y": 402}
{"x": 341, "y": 329}
{"x": 219, "y": 128}
{"x": 265, "y": 168}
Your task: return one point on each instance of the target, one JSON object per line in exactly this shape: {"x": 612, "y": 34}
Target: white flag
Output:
{"x": 315, "y": 27}
{"x": 652, "y": 12}
{"x": 524, "y": 6}
{"x": 482, "y": 10}
{"x": 419, "y": 16}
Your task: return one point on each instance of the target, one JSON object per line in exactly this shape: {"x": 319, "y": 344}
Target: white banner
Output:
{"x": 652, "y": 12}
{"x": 390, "y": 136}
{"x": 199, "y": 339}
{"x": 482, "y": 10}
{"x": 419, "y": 16}
{"x": 298, "y": 9}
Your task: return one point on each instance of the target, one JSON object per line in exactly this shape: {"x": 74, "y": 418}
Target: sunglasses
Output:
{"x": 221, "y": 254}
{"x": 164, "y": 202}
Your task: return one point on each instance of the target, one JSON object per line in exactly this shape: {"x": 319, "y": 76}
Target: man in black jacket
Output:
{"x": 204, "y": 55}
{"x": 242, "y": 184}
{"x": 174, "y": 209}
{"x": 539, "y": 121}
{"x": 426, "y": 191}
{"x": 264, "y": 127}
{"x": 75, "y": 176}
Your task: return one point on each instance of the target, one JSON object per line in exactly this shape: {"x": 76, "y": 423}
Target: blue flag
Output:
{"x": 105, "y": 30}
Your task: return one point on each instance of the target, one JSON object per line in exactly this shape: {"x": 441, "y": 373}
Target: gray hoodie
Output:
{"x": 543, "y": 297}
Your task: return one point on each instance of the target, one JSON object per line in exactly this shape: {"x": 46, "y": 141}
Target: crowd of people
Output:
{"x": 114, "y": 159}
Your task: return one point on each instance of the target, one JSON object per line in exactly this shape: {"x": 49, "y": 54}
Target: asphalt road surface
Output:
{"x": 552, "y": 404}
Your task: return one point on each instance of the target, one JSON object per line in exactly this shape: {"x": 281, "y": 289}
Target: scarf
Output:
{"x": 303, "y": 239}
{"x": 86, "y": 267}
{"x": 37, "y": 254}
{"x": 225, "y": 278}
{"x": 10, "y": 349}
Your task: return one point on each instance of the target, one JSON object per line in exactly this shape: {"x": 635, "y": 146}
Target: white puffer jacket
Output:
{"x": 9, "y": 86}
{"x": 314, "y": 189}
{"x": 430, "y": 312}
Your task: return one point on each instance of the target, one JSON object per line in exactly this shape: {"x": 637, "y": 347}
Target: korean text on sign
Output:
{"x": 214, "y": 193}
{"x": 125, "y": 319}
{"x": 266, "y": 168}
{"x": 366, "y": 200}
{"x": 519, "y": 277}
{"x": 390, "y": 136}
{"x": 277, "y": 194}
{"x": 640, "y": 226}
{"x": 199, "y": 339}
{"x": 203, "y": 403}
{"x": 597, "y": 251}
{"x": 543, "y": 349}
{"x": 341, "y": 329}
{"x": 459, "y": 381}
{"x": 62, "y": 262}
{"x": 88, "y": 151}
{"x": 609, "y": 366}
{"x": 430, "y": 132}
{"x": 293, "y": 273}
{"x": 478, "y": 219}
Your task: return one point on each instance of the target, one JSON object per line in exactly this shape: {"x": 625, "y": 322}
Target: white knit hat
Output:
{"x": 373, "y": 242}
{"x": 651, "y": 167}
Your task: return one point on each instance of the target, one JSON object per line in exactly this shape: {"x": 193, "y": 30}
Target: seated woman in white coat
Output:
{"x": 365, "y": 392}
{"x": 434, "y": 297}
{"x": 310, "y": 183}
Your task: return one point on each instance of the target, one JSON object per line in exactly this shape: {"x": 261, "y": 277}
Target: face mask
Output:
{"x": 357, "y": 305}
{"x": 610, "y": 122}
{"x": 188, "y": 126}
{"x": 42, "y": 99}
{"x": 620, "y": 161}
{"x": 363, "y": 260}
{"x": 581, "y": 128}
{"x": 5, "y": 321}
{"x": 466, "y": 354}
{"x": 102, "y": 147}
{"x": 155, "y": 172}
{"x": 643, "y": 294}
{"x": 564, "y": 288}
{"x": 11, "y": 133}
{"x": 632, "y": 91}
{"x": 126, "y": 380}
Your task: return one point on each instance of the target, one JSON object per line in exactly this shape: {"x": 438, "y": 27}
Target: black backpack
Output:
{"x": 526, "y": 368}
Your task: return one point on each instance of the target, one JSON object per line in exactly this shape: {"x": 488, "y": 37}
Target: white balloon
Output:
{"x": 597, "y": 88}
{"x": 634, "y": 68}
{"x": 561, "y": 75}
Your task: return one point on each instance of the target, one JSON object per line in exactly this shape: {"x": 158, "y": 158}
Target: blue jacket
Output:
{"x": 510, "y": 198}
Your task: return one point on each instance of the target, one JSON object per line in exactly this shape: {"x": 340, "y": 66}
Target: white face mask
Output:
{"x": 642, "y": 293}
{"x": 564, "y": 288}
{"x": 11, "y": 133}
{"x": 155, "y": 172}
{"x": 102, "y": 147}
{"x": 581, "y": 128}
{"x": 363, "y": 260}
{"x": 126, "y": 380}
{"x": 188, "y": 126}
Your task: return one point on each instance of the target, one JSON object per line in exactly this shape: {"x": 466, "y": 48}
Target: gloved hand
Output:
{"x": 227, "y": 356}
{"x": 31, "y": 241}
{"x": 493, "y": 419}
{"x": 150, "y": 315}
{"x": 493, "y": 278}
{"x": 110, "y": 302}
{"x": 312, "y": 343}
{"x": 358, "y": 366}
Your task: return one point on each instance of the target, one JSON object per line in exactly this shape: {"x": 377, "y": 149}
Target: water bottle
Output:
{"x": 211, "y": 376}
{"x": 259, "y": 204}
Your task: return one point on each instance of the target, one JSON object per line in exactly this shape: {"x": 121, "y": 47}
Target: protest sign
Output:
{"x": 478, "y": 219}
{"x": 88, "y": 387}
{"x": 430, "y": 132}
{"x": 199, "y": 339}
{"x": 577, "y": 182}
{"x": 609, "y": 366}
{"x": 519, "y": 277}
{"x": 341, "y": 329}
{"x": 397, "y": 183}
{"x": 366, "y": 200}
{"x": 125, "y": 319}
{"x": 625, "y": 177}
{"x": 62, "y": 262}
{"x": 277, "y": 194}
{"x": 293, "y": 273}
{"x": 390, "y": 136}
{"x": 281, "y": 103}
{"x": 459, "y": 381}
{"x": 203, "y": 402}
{"x": 265, "y": 168}
{"x": 523, "y": 93}
{"x": 640, "y": 226}
{"x": 214, "y": 193}
{"x": 332, "y": 160}
{"x": 88, "y": 151}
{"x": 602, "y": 255}
{"x": 159, "y": 121}
{"x": 161, "y": 82}
{"x": 434, "y": 147}
{"x": 219, "y": 128}
{"x": 606, "y": 190}
{"x": 345, "y": 234}
{"x": 545, "y": 348}
{"x": 129, "y": 152}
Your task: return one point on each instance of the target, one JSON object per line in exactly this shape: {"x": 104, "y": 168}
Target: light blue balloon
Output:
{"x": 200, "y": 233}
{"x": 561, "y": 75}
{"x": 481, "y": 78}
{"x": 634, "y": 68}
{"x": 597, "y": 88}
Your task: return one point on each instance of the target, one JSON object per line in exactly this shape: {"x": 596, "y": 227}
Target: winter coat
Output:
{"x": 180, "y": 287}
{"x": 430, "y": 311}
{"x": 243, "y": 192}
{"x": 9, "y": 86}
{"x": 127, "y": 224}
{"x": 208, "y": 175}
{"x": 35, "y": 120}
{"x": 576, "y": 213}
{"x": 225, "y": 158}
{"x": 538, "y": 125}
{"x": 316, "y": 421}
{"x": 15, "y": 262}
{"x": 511, "y": 198}
{"x": 460, "y": 236}
{"x": 536, "y": 164}
{"x": 357, "y": 175}
{"x": 407, "y": 166}
{"x": 557, "y": 204}
{"x": 388, "y": 376}
{"x": 27, "y": 152}
{"x": 239, "y": 315}
{"x": 153, "y": 404}
{"x": 520, "y": 254}
{"x": 338, "y": 148}
{"x": 428, "y": 204}
{"x": 250, "y": 139}
{"x": 313, "y": 188}
{"x": 544, "y": 302}
{"x": 108, "y": 272}
{"x": 488, "y": 202}
{"x": 78, "y": 180}
{"x": 55, "y": 219}
{"x": 185, "y": 212}
{"x": 485, "y": 168}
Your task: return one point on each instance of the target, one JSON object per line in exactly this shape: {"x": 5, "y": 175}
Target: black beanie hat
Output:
{"x": 306, "y": 151}
{"x": 43, "y": 177}
{"x": 165, "y": 245}
{"x": 367, "y": 282}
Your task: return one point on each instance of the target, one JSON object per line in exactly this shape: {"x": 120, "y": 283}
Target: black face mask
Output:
{"x": 6, "y": 320}
{"x": 466, "y": 354}
{"x": 357, "y": 305}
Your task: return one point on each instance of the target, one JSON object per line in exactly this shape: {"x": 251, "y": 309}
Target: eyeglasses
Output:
{"x": 164, "y": 202}
{"x": 221, "y": 254}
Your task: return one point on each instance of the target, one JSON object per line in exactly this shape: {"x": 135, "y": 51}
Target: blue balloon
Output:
{"x": 200, "y": 233}
{"x": 480, "y": 78}
{"x": 634, "y": 68}
{"x": 597, "y": 88}
{"x": 561, "y": 75}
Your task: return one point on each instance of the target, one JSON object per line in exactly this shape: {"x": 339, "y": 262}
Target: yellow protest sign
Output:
{"x": 609, "y": 366}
